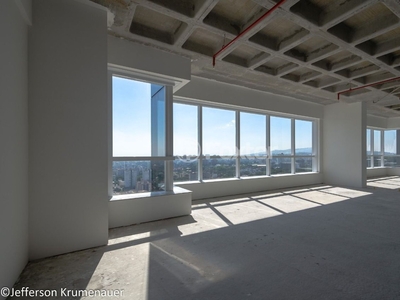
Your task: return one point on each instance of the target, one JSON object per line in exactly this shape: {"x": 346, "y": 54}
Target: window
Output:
{"x": 253, "y": 151}
{"x": 281, "y": 145}
{"x": 139, "y": 136}
{"x": 303, "y": 146}
{"x": 217, "y": 142}
{"x": 186, "y": 146}
{"x": 391, "y": 148}
{"x": 369, "y": 149}
{"x": 383, "y": 148}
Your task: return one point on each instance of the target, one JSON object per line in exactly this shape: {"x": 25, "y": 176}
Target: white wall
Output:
{"x": 393, "y": 171}
{"x": 375, "y": 121}
{"x": 344, "y": 144}
{"x": 14, "y": 143}
{"x": 68, "y": 128}
{"x": 224, "y": 93}
{"x": 393, "y": 123}
{"x": 157, "y": 206}
{"x": 139, "y": 58}
{"x": 377, "y": 172}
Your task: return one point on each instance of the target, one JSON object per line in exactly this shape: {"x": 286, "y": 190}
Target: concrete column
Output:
{"x": 68, "y": 159}
{"x": 344, "y": 144}
{"x": 14, "y": 141}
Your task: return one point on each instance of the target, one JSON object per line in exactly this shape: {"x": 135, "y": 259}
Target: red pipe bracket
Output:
{"x": 247, "y": 29}
{"x": 367, "y": 85}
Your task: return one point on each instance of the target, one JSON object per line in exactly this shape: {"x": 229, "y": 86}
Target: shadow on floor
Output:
{"x": 317, "y": 242}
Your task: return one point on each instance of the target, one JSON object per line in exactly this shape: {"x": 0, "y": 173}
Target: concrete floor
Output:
{"x": 318, "y": 242}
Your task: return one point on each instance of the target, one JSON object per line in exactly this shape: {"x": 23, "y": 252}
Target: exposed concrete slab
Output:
{"x": 315, "y": 242}
{"x": 309, "y": 33}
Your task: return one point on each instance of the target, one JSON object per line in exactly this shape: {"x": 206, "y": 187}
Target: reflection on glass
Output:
{"x": 369, "y": 162}
{"x": 377, "y": 142}
{"x": 216, "y": 168}
{"x": 185, "y": 130}
{"x": 303, "y": 139}
{"x": 130, "y": 177}
{"x": 251, "y": 166}
{"x": 303, "y": 164}
{"x": 369, "y": 142}
{"x": 280, "y": 136}
{"x": 219, "y": 132}
{"x": 252, "y": 134}
{"x": 252, "y": 144}
{"x": 377, "y": 161}
{"x": 392, "y": 161}
{"x": 186, "y": 169}
{"x": 138, "y": 118}
{"x": 281, "y": 165}
{"x": 390, "y": 137}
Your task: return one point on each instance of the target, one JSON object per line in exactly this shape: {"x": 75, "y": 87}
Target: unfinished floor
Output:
{"x": 317, "y": 242}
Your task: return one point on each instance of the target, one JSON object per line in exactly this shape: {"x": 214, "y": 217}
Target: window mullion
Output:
{"x": 200, "y": 142}
{"x": 268, "y": 146}
{"x": 382, "y": 147}
{"x": 372, "y": 135}
{"x": 293, "y": 141}
{"x": 237, "y": 122}
{"x": 169, "y": 145}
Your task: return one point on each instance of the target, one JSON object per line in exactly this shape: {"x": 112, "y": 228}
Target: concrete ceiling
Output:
{"x": 307, "y": 49}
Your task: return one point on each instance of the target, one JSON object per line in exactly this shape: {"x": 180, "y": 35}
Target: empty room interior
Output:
{"x": 200, "y": 149}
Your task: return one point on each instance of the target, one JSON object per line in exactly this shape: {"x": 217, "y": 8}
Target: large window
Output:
{"x": 216, "y": 143}
{"x": 253, "y": 145}
{"x": 219, "y": 143}
{"x": 139, "y": 136}
{"x": 281, "y": 145}
{"x": 392, "y": 148}
{"x": 303, "y": 146}
{"x": 186, "y": 146}
{"x": 383, "y": 149}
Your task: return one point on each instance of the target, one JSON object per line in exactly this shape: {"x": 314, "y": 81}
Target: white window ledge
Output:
{"x": 177, "y": 190}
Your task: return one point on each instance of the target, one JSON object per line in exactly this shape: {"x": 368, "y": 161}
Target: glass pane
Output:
{"x": 252, "y": 144}
{"x": 303, "y": 139}
{"x": 369, "y": 142}
{"x": 157, "y": 120}
{"x": 377, "y": 161}
{"x": 185, "y": 130}
{"x": 377, "y": 142}
{"x": 369, "y": 165}
{"x": 130, "y": 177}
{"x": 250, "y": 166}
{"x": 303, "y": 164}
{"x": 390, "y": 142}
{"x": 252, "y": 134}
{"x": 219, "y": 132}
{"x": 138, "y": 118}
{"x": 392, "y": 161}
{"x": 186, "y": 169}
{"x": 280, "y": 136}
{"x": 281, "y": 165}
{"x": 215, "y": 168}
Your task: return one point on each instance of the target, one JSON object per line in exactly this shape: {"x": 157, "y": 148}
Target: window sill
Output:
{"x": 177, "y": 190}
{"x": 182, "y": 183}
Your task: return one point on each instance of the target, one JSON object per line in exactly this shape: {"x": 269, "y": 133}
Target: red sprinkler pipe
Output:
{"x": 247, "y": 29}
{"x": 364, "y": 86}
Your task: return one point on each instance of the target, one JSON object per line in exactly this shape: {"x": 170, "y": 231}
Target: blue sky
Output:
{"x": 132, "y": 126}
{"x": 131, "y": 118}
